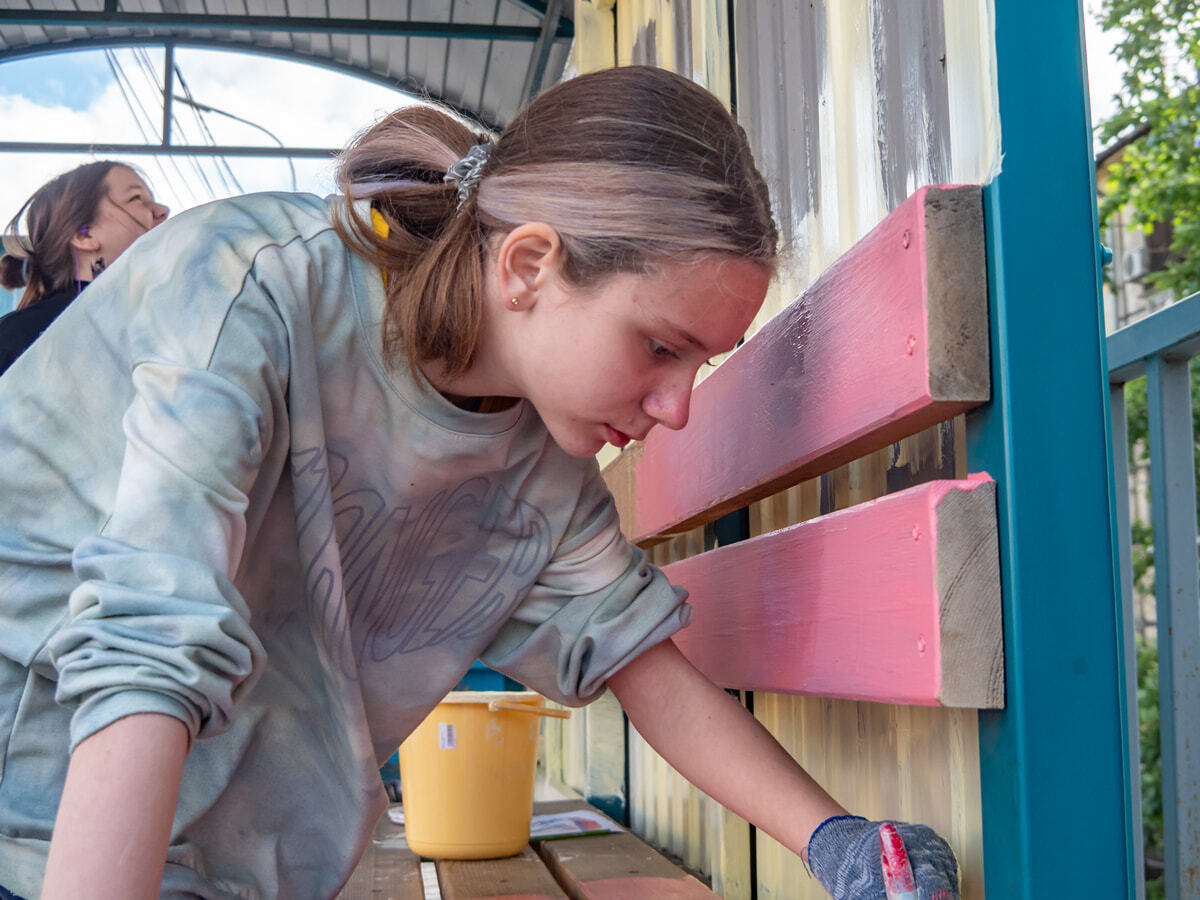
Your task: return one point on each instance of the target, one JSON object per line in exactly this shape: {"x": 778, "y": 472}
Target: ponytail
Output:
{"x": 631, "y": 166}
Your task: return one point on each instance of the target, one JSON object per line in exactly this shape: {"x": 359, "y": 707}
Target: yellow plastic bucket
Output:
{"x": 467, "y": 773}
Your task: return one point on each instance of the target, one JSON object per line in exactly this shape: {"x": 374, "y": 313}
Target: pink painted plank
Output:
{"x": 896, "y": 600}
{"x": 891, "y": 339}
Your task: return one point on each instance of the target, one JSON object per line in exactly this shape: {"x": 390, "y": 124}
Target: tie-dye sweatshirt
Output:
{"x": 217, "y": 503}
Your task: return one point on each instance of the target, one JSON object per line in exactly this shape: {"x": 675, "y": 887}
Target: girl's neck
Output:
{"x": 473, "y": 390}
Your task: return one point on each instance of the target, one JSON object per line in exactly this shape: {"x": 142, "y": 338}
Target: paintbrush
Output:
{"x": 898, "y": 878}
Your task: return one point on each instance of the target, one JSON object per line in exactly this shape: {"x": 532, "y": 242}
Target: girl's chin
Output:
{"x": 575, "y": 444}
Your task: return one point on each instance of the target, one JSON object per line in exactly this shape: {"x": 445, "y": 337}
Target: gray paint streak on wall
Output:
{"x": 912, "y": 101}
{"x": 852, "y": 105}
{"x": 781, "y": 75}
{"x": 683, "y": 37}
{"x": 645, "y": 46}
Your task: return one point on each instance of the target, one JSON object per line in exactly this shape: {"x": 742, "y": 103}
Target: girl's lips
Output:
{"x": 614, "y": 437}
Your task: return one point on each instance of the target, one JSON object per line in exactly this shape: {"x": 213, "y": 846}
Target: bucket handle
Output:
{"x": 518, "y": 706}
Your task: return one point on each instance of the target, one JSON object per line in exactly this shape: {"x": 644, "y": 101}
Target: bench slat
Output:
{"x": 618, "y": 867}
{"x": 890, "y": 339}
{"x": 388, "y": 869}
{"x": 896, "y": 600}
{"x": 520, "y": 877}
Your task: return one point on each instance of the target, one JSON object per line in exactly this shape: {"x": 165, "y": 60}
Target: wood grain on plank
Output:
{"x": 600, "y": 867}
{"x": 895, "y": 600}
{"x": 520, "y": 877}
{"x": 891, "y": 339}
{"x": 388, "y": 870}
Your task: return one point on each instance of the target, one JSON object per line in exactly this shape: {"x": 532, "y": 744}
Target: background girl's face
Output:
{"x": 126, "y": 211}
{"x": 607, "y": 364}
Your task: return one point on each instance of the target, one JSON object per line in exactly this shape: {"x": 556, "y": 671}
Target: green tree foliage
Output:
{"x": 1158, "y": 177}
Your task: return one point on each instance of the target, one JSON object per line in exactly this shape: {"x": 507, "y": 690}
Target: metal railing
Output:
{"x": 1161, "y": 347}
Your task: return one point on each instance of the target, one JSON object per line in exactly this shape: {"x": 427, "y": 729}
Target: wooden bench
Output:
{"x": 590, "y": 867}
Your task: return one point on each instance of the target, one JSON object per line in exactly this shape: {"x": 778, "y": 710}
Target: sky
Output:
{"x": 77, "y": 97}
{"x": 1104, "y": 78}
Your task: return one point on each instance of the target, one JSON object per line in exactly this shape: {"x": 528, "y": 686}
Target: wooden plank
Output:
{"x": 388, "y": 870}
{"x": 891, "y": 339}
{"x": 896, "y": 600}
{"x": 614, "y": 866}
{"x": 618, "y": 867}
{"x": 520, "y": 877}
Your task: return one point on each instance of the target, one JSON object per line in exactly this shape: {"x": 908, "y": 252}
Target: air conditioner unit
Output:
{"x": 1135, "y": 264}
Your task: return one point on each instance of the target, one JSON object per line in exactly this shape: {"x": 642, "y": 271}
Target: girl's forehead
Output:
{"x": 122, "y": 178}
{"x": 707, "y": 304}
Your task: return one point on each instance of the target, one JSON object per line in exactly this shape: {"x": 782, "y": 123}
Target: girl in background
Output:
{"x": 75, "y": 225}
{"x": 336, "y": 450}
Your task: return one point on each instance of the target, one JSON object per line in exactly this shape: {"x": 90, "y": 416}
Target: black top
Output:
{"x": 21, "y": 327}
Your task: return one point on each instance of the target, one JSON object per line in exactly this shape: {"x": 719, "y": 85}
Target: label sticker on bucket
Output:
{"x": 447, "y": 737}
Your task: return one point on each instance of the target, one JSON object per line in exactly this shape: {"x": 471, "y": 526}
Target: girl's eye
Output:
{"x": 660, "y": 351}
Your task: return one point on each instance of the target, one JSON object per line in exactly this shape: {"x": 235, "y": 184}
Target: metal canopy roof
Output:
{"x": 483, "y": 57}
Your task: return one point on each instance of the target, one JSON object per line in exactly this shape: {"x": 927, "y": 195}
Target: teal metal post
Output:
{"x": 1054, "y": 762}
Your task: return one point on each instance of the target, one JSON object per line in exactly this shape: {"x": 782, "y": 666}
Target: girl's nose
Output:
{"x": 160, "y": 212}
{"x": 668, "y": 404}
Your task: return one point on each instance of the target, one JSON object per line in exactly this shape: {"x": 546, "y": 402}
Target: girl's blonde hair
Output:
{"x": 631, "y": 166}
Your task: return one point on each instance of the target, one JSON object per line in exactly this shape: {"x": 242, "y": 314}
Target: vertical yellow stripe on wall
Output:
{"x": 595, "y": 38}
{"x": 710, "y": 49}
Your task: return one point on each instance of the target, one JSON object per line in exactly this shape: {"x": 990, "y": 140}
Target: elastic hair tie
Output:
{"x": 468, "y": 171}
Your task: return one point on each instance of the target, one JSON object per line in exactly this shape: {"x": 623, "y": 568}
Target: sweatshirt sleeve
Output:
{"x": 155, "y": 623}
{"x": 596, "y": 606}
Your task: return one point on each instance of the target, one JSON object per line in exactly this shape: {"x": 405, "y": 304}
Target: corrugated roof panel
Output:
{"x": 483, "y": 73}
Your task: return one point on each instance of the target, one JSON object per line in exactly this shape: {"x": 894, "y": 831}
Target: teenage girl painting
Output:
{"x": 75, "y": 225}
{"x": 333, "y": 451}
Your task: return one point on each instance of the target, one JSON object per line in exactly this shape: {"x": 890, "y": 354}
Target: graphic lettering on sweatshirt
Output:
{"x": 412, "y": 577}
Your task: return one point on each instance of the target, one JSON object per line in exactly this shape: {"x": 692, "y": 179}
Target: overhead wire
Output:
{"x": 220, "y": 161}
{"x": 133, "y": 103}
{"x": 150, "y": 72}
{"x": 148, "y": 128}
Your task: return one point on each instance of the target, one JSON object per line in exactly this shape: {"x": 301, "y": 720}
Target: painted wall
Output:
{"x": 850, "y": 107}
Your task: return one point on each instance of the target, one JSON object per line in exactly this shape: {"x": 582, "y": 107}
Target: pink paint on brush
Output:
{"x": 898, "y": 878}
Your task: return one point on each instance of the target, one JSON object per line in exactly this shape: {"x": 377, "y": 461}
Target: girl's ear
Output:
{"x": 84, "y": 242}
{"x": 527, "y": 259}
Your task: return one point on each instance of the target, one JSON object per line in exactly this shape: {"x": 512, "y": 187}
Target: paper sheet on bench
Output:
{"x": 550, "y": 825}
{"x": 570, "y": 824}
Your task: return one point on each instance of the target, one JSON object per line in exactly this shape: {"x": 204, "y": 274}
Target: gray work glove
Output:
{"x": 844, "y": 855}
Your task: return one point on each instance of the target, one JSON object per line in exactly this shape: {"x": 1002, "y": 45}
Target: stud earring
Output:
{"x": 515, "y": 301}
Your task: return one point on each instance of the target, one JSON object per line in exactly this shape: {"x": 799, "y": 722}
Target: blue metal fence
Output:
{"x": 1160, "y": 348}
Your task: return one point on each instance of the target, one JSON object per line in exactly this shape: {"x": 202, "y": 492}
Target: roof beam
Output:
{"x": 536, "y": 72}
{"x": 212, "y": 22}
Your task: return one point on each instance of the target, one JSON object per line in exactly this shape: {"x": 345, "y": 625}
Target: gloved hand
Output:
{"x": 844, "y": 855}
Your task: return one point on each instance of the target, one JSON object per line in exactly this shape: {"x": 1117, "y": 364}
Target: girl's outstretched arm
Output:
{"x": 717, "y": 745}
{"x": 114, "y": 821}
